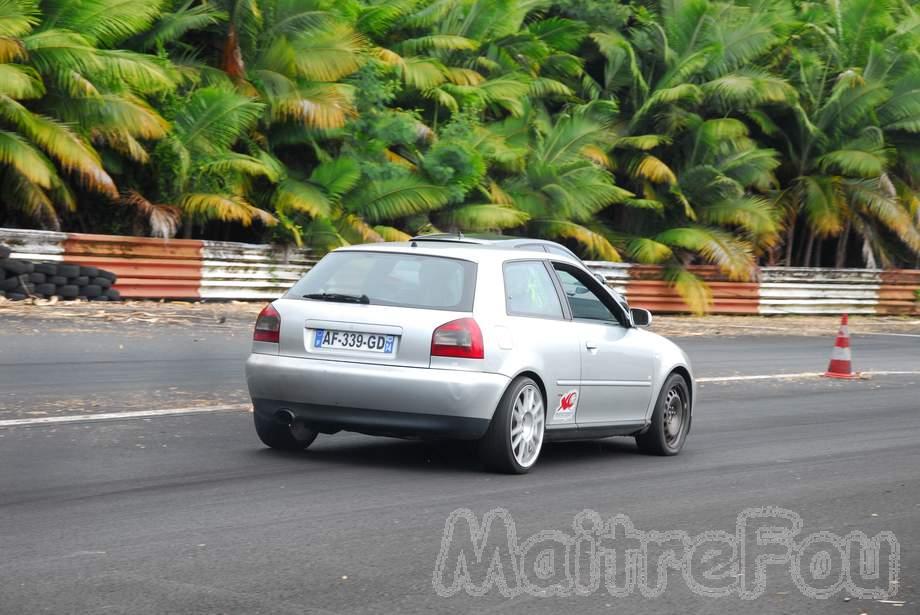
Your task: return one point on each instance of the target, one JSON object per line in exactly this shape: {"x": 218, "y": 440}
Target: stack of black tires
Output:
{"x": 21, "y": 279}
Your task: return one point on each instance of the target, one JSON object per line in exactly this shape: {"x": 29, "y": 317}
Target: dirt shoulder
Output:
{"x": 147, "y": 316}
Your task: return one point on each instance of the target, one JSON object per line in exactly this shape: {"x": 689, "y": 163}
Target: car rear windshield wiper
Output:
{"x": 341, "y": 298}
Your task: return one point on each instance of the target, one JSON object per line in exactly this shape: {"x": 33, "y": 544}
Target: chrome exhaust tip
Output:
{"x": 285, "y": 416}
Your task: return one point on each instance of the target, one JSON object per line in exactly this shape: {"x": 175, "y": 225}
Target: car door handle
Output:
{"x": 591, "y": 345}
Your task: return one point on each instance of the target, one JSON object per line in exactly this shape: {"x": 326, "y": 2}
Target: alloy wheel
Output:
{"x": 527, "y": 420}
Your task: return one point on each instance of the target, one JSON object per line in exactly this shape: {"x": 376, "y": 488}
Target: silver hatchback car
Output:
{"x": 510, "y": 347}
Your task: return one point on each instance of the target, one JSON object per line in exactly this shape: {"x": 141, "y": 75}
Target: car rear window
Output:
{"x": 398, "y": 279}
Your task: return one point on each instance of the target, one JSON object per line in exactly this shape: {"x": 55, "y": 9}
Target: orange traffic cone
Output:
{"x": 841, "y": 365}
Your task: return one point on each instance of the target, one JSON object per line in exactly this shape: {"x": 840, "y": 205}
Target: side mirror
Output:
{"x": 600, "y": 279}
{"x": 640, "y": 317}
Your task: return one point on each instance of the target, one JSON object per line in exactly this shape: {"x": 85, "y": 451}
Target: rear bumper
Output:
{"x": 382, "y": 400}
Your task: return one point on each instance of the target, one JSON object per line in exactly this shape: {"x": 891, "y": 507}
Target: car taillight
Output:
{"x": 268, "y": 325}
{"x": 458, "y": 338}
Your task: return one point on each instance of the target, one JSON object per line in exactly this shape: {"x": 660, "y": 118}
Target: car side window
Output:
{"x": 585, "y": 304}
{"x": 529, "y": 290}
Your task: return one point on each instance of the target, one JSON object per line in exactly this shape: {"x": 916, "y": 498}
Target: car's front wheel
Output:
{"x": 515, "y": 438}
{"x": 670, "y": 420}
{"x": 276, "y": 433}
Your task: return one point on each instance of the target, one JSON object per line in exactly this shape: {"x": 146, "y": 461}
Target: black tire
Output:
{"x": 662, "y": 437}
{"x": 9, "y": 284}
{"x": 81, "y": 280}
{"x": 276, "y": 434}
{"x": 68, "y": 291}
{"x": 5, "y": 252}
{"x": 90, "y": 291}
{"x": 68, "y": 271}
{"x": 16, "y": 267}
{"x": 57, "y": 280}
{"x": 108, "y": 275}
{"x": 46, "y": 268}
{"x": 38, "y": 278}
{"x": 113, "y": 294}
{"x": 15, "y": 296}
{"x": 91, "y": 272}
{"x": 495, "y": 448}
{"x": 45, "y": 290}
{"x": 101, "y": 282}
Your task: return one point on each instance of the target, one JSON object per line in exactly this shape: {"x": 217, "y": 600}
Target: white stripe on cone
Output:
{"x": 840, "y": 354}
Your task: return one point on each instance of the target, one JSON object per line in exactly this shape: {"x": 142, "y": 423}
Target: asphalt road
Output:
{"x": 189, "y": 514}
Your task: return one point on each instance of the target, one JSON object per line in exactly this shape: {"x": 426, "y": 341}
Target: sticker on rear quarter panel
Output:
{"x": 566, "y": 409}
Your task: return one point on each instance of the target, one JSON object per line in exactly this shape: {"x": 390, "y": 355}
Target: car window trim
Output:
{"x": 563, "y": 305}
{"x": 594, "y": 286}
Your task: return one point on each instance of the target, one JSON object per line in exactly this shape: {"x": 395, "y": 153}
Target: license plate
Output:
{"x": 349, "y": 340}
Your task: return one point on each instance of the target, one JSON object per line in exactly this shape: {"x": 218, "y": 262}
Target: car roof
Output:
{"x": 489, "y": 239}
{"x": 470, "y": 251}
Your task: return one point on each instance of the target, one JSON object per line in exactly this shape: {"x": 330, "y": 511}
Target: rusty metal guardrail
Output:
{"x": 247, "y": 271}
{"x": 216, "y": 270}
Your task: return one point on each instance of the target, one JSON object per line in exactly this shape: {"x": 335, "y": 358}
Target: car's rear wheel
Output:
{"x": 279, "y": 434}
{"x": 670, "y": 420}
{"x": 515, "y": 438}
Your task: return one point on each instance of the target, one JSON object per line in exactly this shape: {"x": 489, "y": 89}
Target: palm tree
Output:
{"x": 199, "y": 170}
{"x": 67, "y": 94}
{"x": 683, "y": 139}
{"x": 859, "y": 96}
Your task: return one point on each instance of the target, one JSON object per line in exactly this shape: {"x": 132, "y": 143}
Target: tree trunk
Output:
{"x": 806, "y": 259}
{"x": 840, "y": 260}
{"x": 790, "y": 240}
{"x": 232, "y": 57}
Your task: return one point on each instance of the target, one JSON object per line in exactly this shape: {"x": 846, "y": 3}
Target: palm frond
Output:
{"x": 162, "y": 219}
{"x": 391, "y": 233}
{"x": 304, "y": 197}
{"x": 462, "y": 76}
{"x": 337, "y": 176}
{"x": 214, "y": 118}
{"x": 171, "y": 27}
{"x": 105, "y": 22}
{"x": 326, "y": 55}
{"x": 391, "y": 199}
{"x": 853, "y": 163}
{"x": 142, "y": 72}
{"x": 224, "y": 207}
{"x": 421, "y": 73}
{"x": 379, "y": 18}
{"x": 560, "y": 33}
{"x": 59, "y": 142}
{"x": 647, "y": 250}
{"x": 820, "y": 200}
{"x": 594, "y": 243}
{"x": 17, "y": 81}
{"x": 436, "y": 42}
{"x": 691, "y": 288}
{"x": 115, "y": 112}
{"x": 18, "y": 17}
{"x": 717, "y": 246}
{"x": 482, "y": 217}
{"x": 756, "y": 215}
{"x": 30, "y": 199}
{"x": 654, "y": 170}
{"x": 16, "y": 152}
{"x": 231, "y": 162}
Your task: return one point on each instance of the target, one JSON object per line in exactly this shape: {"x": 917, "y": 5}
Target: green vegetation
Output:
{"x": 677, "y": 132}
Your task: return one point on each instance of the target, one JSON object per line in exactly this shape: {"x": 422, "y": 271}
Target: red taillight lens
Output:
{"x": 458, "y": 338}
{"x": 268, "y": 325}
